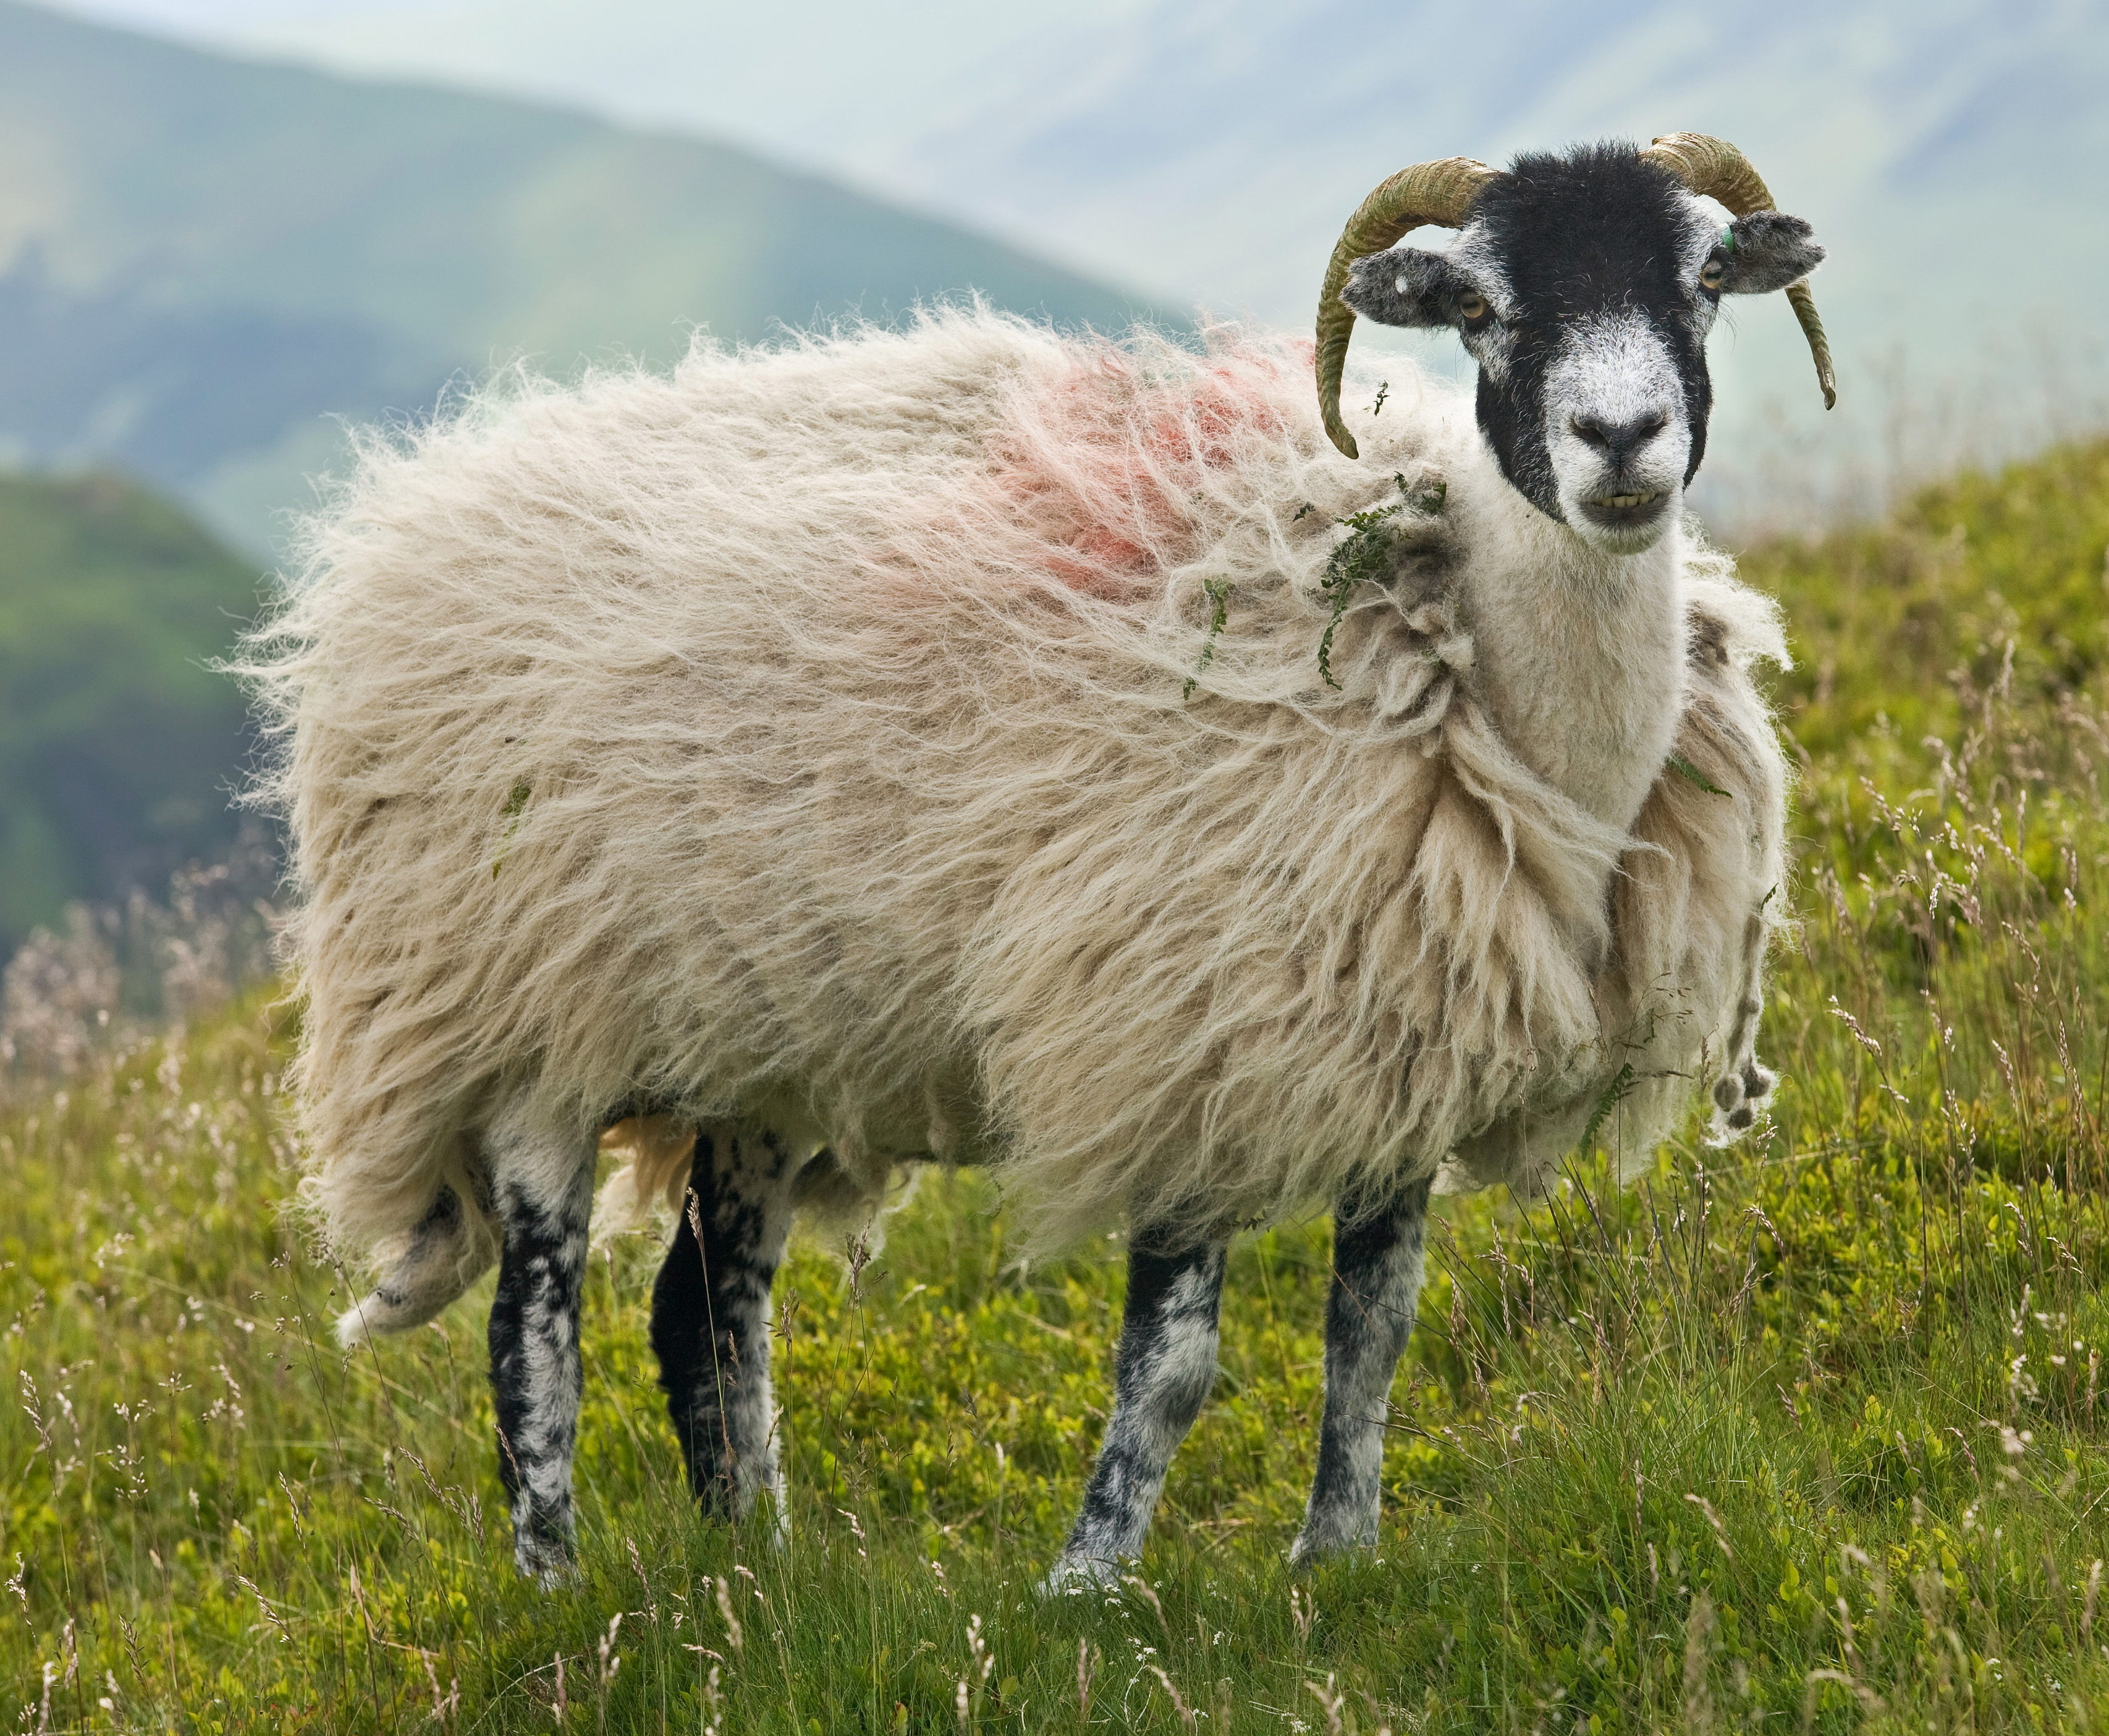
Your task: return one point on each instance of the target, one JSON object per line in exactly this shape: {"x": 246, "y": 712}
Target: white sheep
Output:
{"x": 967, "y": 742}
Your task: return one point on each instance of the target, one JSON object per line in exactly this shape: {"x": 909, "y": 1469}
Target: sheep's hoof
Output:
{"x": 549, "y": 1566}
{"x": 542, "y": 1548}
{"x": 1312, "y": 1547}
{"x": 1075, "y": 1576}
{"x": 1727, "y": 1093}
{"x": 1758, "y": 1080}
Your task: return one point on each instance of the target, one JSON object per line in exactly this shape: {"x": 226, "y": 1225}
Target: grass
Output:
{"x": 1804, "y": 1435}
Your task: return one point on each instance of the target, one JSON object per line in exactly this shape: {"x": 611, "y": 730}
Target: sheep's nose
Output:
{"x": 1618, "y": 439}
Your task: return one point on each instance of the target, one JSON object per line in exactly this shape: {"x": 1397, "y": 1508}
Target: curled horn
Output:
{"x": 1439, "y": 192}
{"x": 1717, "y": 170}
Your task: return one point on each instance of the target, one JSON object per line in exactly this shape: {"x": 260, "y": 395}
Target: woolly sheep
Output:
{"x": 970, "y": 743}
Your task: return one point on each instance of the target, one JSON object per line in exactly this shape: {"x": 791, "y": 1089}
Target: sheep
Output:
{"x": 970, "y": 743}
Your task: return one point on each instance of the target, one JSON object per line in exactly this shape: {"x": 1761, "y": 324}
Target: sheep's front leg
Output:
{"x": 1376, "y": 1286}
{"x": 542, "y": 1182}
{"x": 1162, "y": 1373}
{"x": 710, "y": 1316}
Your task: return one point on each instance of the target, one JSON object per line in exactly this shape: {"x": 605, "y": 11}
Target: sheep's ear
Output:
{"x": 1765, "y": 252}
{"x": 1406, "y": 286}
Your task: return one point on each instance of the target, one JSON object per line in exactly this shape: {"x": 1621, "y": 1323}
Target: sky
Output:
{"x": 865, "y": 78}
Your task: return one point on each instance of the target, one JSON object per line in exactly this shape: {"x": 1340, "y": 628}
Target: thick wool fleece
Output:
{"x": 806, "y": 734}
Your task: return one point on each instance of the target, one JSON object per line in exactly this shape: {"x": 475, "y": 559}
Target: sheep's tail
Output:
{"x": 1746, "y": 1080}
{"x": 445, "y": 1253}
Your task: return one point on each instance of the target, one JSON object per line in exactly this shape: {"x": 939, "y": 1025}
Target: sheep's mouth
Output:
{"x": 1623, "y": 511}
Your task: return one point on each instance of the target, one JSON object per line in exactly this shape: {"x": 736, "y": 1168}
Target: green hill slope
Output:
{"x": 117, "y": 745}
{"x": 1883, "y": 616}
{"x": 1803, "y": 1435}
{"x": 200, "y": 256}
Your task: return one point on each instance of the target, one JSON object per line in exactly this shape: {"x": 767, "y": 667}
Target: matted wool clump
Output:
{"x": 974, "y": 742}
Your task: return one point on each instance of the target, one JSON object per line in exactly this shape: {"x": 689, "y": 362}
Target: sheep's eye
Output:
{"x": 1473, "y": 308}
{"x": 1711, "y": 274}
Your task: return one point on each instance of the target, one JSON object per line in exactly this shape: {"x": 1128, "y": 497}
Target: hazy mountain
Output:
{"x": 1949, "y": 155}
{"x": 1206, "y": 151}
{"x": 201, "y": 257}
{"x": 118, "y": 745}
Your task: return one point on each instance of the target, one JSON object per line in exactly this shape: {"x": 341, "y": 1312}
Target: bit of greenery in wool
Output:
{"x": 1364, "y": 553}
{"x": 515, "y": 805}
{"x": 1219, "y": 593}
{"x": 1691, "y": 773}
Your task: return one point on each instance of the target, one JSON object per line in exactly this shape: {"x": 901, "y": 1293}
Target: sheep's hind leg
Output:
{"x": 710, "y": 1315}
{"x": 1377, "y": 1259}
{"x": 542, "y": 1182}
{"x": 1162, "y": 1372}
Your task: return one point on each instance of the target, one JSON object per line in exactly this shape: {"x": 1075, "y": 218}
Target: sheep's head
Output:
{"x": 1584, "y": 287}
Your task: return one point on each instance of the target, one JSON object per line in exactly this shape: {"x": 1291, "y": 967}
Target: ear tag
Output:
{"x": 1728, "y": 239}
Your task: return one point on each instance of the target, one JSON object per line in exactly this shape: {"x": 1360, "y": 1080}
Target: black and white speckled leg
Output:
{"x": 1377, "y": 1261}
{"x": 1162, "y": 1373}
{"x": 542, "y": 1182}
{"x": 710, "y": 1316}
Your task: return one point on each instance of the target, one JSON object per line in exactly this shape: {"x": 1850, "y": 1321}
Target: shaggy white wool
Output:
{"x": 809, "y": 728}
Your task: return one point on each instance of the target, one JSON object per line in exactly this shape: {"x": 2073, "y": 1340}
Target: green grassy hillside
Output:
{"x": 201, "y": 257}
{"x": 1883, "y": 616}
{"x": 1806, "y": 1435}
{"x": 117, "y": 745}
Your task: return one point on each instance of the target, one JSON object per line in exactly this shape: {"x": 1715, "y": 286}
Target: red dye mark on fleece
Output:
{"x": 1109, "y": 472}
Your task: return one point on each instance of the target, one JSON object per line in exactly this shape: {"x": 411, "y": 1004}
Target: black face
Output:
{"x": 1598, "y": 236}
{"x": 1584, "y": 287}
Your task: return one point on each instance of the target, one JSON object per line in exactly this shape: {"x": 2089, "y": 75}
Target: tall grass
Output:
{"x": 1806, "y": 1434}
{"x": 108, "y": 973}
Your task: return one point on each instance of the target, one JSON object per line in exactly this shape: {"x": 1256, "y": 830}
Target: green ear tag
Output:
{"x": 1728, "y": 239}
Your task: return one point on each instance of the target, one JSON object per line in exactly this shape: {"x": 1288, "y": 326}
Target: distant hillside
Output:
{"x": 117, "y": 745}
{"x": 201, "y": 258}
{"x": 1886, "y": 618}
